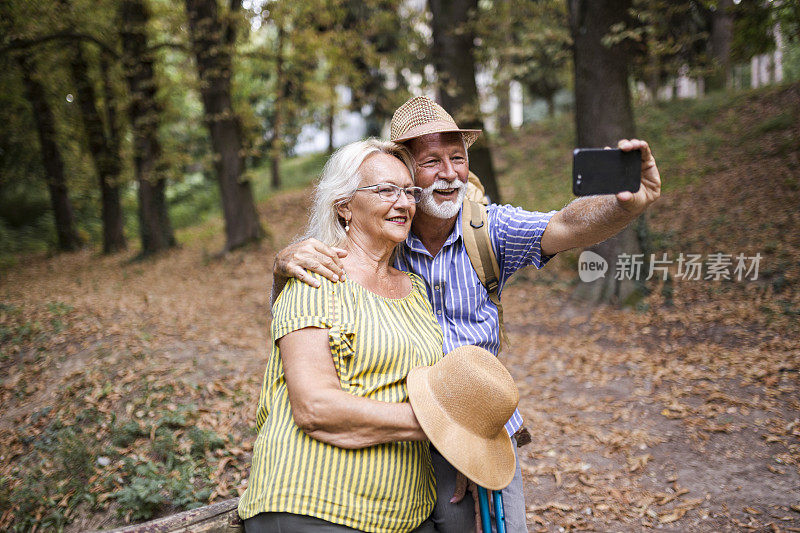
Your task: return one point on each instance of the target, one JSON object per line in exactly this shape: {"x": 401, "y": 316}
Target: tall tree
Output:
{"x": 105, "y": 155}
{"x": 722, "y": 19}
{"x": 603, "y": 115}
{"x": 68, "y": 238}
{"x": 276, "y": 146}
{"x": 212, "y": 42}
{"x": 145, "y": 115}
{"x": 102, "y": 139}
{"x": 503, "y": 93}
{"x": 454, "y": 59}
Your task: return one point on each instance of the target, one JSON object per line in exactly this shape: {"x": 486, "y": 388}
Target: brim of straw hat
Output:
{"x": 489, "y": 462}
{"x": 439, "y": 126}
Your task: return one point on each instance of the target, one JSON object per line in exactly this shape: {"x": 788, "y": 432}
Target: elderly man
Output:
{"x": 435, "y": 251}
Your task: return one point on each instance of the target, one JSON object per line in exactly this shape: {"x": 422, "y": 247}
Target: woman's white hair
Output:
{"x": 338, "y": 183}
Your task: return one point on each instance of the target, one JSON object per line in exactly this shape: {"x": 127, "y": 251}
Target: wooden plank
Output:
{"x": 221, "y": 517}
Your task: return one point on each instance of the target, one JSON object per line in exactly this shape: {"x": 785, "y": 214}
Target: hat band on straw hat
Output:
{"x": 439, "y": 126}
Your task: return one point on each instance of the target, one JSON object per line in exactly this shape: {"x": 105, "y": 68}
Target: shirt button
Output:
{"x": 438, "y": 311}
{"x": 436, "y": 287}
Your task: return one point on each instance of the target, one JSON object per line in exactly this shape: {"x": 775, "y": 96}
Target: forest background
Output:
{"x": 152, "y": 162}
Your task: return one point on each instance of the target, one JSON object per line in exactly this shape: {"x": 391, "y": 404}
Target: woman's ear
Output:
{"x": 344, "y": 212}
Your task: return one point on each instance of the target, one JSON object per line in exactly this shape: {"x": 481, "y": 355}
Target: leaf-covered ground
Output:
{"x": 129, "y": 388}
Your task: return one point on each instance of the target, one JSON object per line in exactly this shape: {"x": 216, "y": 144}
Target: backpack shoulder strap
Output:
{"x": 475, "y": 232}
{"x": 475, "y": 190}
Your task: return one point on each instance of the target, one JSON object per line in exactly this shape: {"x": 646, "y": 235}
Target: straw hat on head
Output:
{"x": 462, "y": 403}
{"x": 421, "y": 116}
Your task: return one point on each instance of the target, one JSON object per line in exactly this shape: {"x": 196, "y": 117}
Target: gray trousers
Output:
{"x": 295, "y": 523}
{"x": 460, "y": 517}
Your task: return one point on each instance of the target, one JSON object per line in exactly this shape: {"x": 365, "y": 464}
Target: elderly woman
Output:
{"x": 338, "y": 446}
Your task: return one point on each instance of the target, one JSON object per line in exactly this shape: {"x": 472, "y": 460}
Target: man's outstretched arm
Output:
{"x": 311, "y": 254}
{"x": 592, "y": 219}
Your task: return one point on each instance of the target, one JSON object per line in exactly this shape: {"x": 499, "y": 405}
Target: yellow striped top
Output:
{"x": 374, "y": 342}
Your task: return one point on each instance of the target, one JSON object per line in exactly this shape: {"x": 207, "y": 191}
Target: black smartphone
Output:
{"x": 605, "y": 171}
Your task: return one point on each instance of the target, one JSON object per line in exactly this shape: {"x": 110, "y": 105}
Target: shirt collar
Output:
{"x": 414, "y": 244}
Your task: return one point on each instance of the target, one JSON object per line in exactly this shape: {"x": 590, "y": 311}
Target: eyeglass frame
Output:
{"x": 396, "y": 194}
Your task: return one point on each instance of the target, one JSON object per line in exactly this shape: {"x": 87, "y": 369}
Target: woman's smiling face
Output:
{"x": 371, "y": 217}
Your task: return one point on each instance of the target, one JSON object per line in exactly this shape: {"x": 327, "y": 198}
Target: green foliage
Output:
{"x": 170, "y": 479}
{"x": 529, "y": 42}
{"x": 539, "y": 170}
{"x": 17, "y": 329}
{"x": 667, "y": 38}
{"x": 59, "y": 308}
{"x": 204, "y": 440}
{"x": 164, "y": 445}
{"x": 142, "y": 496}
{"x": 62, "y": 458}
{"x": 783, "y": 121}
{"x": 171, "y": 472}
{"x": 296, "y": 173}
{"x": 192, "y": 200}
{"x": 125, "y": 435}
{"x": 753, "y": 30}
{"x": 26, "y": 223}
{"x": 176, "y": 419}
{"x": 791, "y": 61}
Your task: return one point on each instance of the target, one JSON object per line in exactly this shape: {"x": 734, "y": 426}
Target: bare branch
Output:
{"x": 183, "y": 47}
{"x": 21, "y": 44}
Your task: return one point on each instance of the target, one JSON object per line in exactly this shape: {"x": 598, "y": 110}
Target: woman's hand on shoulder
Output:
{"x": 313, "y": 255}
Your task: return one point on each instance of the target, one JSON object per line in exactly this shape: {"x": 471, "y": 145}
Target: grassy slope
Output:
{"x": 729, "y": 167}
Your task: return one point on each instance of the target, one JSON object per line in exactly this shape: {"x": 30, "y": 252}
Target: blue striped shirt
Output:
{"x": 460, "y": 302}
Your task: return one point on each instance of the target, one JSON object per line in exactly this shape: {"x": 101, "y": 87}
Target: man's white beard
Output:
{"x": 447, "y": 209}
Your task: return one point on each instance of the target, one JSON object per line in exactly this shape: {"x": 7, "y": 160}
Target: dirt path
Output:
{"x": 618, "y": 448}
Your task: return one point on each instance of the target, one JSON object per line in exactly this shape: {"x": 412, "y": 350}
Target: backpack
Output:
{"x": 475, "y": 232}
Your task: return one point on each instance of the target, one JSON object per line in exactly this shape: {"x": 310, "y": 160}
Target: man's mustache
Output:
{"x": 444, "y": 184}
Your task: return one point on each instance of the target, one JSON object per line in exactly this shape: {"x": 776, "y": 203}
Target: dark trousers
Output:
{"x": 460, "y": 517}
{"x": 295, "y": 523}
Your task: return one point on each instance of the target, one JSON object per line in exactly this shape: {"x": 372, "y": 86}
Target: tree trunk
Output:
{"x": 721, "y": 39}
{"x": 106, "y": 160}
{"x": 276, "y": 150}
{"x": 331, "y": 123}
{"x": 504, "y": 106}
{"x": 110, "y": 106}
{"x": 550, "y": 99}
{"x": 155, "y": 228}
{"x": 211, "y": 42}
{"x": 68, "y": 238}
{"x": 653, "y": 75}
{"x": 453, "y": 57}
{"x": 603, "y": 115}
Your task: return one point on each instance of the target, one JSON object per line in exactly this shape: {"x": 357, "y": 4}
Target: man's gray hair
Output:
{"x": 338, "y": 183}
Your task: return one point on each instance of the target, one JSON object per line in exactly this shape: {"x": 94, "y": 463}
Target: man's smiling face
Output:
{"x": 442, "y": 169}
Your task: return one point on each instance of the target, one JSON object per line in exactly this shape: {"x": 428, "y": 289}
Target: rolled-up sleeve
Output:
{"x": 517, "y": 237}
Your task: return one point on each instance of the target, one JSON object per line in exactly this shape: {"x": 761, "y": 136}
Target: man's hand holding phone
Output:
{"x": 615, "y": 171}
{"x": 650, "y": 184}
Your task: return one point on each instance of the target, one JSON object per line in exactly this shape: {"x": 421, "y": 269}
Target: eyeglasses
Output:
{"x": 391, "y": 192}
